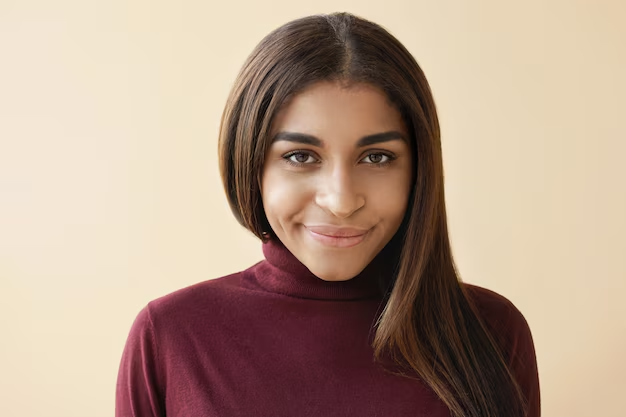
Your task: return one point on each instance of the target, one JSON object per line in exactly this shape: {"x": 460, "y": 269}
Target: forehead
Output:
{"x": 330, "y": 109}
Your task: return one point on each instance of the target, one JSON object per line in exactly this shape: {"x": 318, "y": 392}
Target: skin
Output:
{"x": 310, "y": 189}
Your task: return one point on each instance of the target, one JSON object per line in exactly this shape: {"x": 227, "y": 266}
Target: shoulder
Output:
{"x": 509, "y": 329}
{"x": 162, "y": 329}
{"x": 503, "y": 319}
{"x": 199, "y": 298}
{"x": 189, "y": 308}
{"x": 494, "y": 307}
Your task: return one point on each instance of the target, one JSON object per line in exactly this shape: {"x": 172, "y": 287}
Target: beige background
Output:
{"x": 110, "y": 194}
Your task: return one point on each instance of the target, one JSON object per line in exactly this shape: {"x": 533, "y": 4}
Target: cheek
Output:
{"x": 390, "y": 202}
{"x": 283, "y": 197}
{"x": 389, "y": 195}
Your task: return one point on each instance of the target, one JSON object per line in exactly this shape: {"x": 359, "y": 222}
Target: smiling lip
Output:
{"x": 341, "y": 237}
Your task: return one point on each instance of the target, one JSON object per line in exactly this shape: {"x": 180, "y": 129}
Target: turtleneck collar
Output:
{"x": 283, "y": 273}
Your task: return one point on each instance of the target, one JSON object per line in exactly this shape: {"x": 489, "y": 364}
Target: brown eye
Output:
{"x": 378, "y": 158}
{"x": 299, "y": 158}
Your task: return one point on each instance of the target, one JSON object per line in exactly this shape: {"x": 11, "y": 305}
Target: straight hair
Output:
{"x": 429, "y": 324}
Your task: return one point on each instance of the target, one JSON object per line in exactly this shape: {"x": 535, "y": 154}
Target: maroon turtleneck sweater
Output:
{"x": 275, "y": 340}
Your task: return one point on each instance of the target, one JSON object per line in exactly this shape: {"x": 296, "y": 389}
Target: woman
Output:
{"x": 330, "y": 154}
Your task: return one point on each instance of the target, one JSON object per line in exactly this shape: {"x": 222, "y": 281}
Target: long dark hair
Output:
{"x": 429, "y": 324}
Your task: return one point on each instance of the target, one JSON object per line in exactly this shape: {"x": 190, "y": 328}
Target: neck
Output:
{"x": 283, "y": 273}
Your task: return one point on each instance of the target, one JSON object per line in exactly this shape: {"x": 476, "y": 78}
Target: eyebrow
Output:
{"x": 364, "y": 141}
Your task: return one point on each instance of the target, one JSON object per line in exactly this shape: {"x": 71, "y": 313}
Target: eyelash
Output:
{"x": 390, "y": 159}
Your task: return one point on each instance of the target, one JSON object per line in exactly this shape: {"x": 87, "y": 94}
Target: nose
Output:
{"x": 338, "y": 194}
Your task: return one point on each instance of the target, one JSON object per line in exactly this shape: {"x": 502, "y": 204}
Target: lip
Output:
{"x": 336, "y": 231}
{"x": 339, "y": 237}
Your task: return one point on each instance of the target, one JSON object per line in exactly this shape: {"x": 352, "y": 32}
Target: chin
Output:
{"x": 334, "y": 274}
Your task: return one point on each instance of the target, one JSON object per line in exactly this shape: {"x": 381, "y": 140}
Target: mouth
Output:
{"x": 337, "y": 237}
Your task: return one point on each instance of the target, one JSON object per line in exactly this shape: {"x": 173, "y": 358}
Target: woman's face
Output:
{"x": 337, "y": 177}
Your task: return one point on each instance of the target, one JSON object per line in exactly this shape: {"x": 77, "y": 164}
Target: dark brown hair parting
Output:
{"x": 429, "y": 324}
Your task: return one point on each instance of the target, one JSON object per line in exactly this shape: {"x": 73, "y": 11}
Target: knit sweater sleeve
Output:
{"x": 523, "y": 362}
{"x": 138, "y": 389}
{"x": 510, "y": 329}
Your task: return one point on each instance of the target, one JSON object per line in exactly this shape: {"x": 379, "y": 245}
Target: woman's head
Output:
{"x": 341, "y": 79}
{"x": 339, "y": 164}
{"x": 338, "y": 78}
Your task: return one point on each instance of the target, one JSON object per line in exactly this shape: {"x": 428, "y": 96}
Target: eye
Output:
{"x": 378, "y": 158}
{"x": 299, "y": 158}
